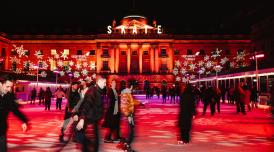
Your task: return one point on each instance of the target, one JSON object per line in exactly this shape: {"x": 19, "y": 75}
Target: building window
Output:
{"x": 92, "y": 52}
{"x": 189, "y": 52}
{"x": 176, "y": 52}
{"x": 123, "y": 52}
{"x": 145, "y": 53}
{"x": 105, "y": 53}
{"x": 105, "y": 65}
{"x": 3, "y": 53}
{"x": 202, "y": 52}
{"x": 134, "y": 52}
{"x": 163, "y": 51}
{"x": 79, "y": 52}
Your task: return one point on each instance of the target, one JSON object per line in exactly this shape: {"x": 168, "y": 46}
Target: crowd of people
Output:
{"x": 85, "y": 110}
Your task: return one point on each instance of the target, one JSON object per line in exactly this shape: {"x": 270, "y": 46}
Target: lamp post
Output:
{"x": 256, "y": 56}
{"x": 217, "y": 69}
{"x": 56, "y": 77}
{"x": 37, "y": 73}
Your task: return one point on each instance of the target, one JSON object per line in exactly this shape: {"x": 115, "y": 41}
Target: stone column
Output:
{"x": 128, "y": 58}
{"x": 140, "y": 61}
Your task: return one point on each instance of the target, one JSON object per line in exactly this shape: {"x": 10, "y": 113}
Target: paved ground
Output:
{"x": 156, "y": 130}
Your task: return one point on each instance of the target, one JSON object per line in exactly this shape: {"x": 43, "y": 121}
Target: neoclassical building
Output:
{"x": 131, "y": 52}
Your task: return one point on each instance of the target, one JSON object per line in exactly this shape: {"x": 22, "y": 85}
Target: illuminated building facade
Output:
{"x": 132, "y": 52}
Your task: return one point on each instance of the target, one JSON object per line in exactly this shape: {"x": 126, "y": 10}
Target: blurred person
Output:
{"x": 112, "y": 116}
{"x": 73, "y": 99}
{"x": 254, "y": 97}
{"x": 127, "y": 109}
{"x": 48, "y": 95}
{"x": 59, "y": 94}
{"x": 239, "y": 98}
{"x": 272, "y": 98}
{"x": 8, "y": 104}
{"x": 247, "y": 94}
{"x": 33, "y": 96}
{"x": 41, "y": 96}
{"x": 90, "y": 113}
{"x": 186, "y": 114}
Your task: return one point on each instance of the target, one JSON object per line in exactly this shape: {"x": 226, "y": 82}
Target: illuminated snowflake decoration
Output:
{"x": 78, "y": 66}
{"x": 206, "y": 58}
{"x": 85, "y": 72}
{"x": 93, "y": 76}
{"x": 177, "y": 63}
{"x": 232, "y": 64}
{"x": 92, "y": 66}
{"x": 185, "y": 80}
{"x": 26, "y": 64}
{"x": 64, "y": 55}
{"x": 185, "y": 63}
{"x": 240, "y": 56}
{"x": 224, "y": 60}
{"x": 85, "y": 64}
{"x": 76, "y": 74}
{"x": 216, "y": 53}
{"x": 44, "y": 65}
{"x": 60, "y": 63}
{"x": 51, "y": 59}
{"x": 178, "y": 78}
{"x": 56, "y": 56}
{"x": 38, "y": 54}
{"x": 202, "y": 70}
{"x": 43, "y": 74}
{"x": 200, "y": 63}
{"x": 62, "y": 73}
{"x": 14, "y": 59}
{"x": 217, "y": 68}
{"x": 192, "y": 76}
{"x": 175, "y": 71}
{"x": 208, "y": 64}
{"x": 192, "y": 66}
{"x": 208, "y": 72}
{"x": 88, "y": 79}
{"x": 71, "y": 63}
{"x": 20, "y": 50}
{"x": 183, "y": 71}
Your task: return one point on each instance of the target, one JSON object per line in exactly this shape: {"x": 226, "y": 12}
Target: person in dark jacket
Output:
{"x": 8, "y": 104}
{"x": 33, "y": 96}
{"x": 90, "y": 113}
{"x": 187, "y": 111}
{"x": 73, "y": 99}
{"x": 209, "y": 99}
{"x": 41, "y": 96}
{"x": 48, "y": 95}
{"x": 112, "y": 117}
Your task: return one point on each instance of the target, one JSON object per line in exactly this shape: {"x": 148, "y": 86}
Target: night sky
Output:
{"x": 92, "y": 17}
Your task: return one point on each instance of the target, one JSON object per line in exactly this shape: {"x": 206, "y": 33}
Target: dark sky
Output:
{"x": 92, "y": 17}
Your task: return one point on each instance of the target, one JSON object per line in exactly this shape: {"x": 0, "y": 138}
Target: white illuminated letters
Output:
{"x": 159, "y": 29}
{"x": 109, "y": 29}
{"x": 146, "y": 29}
{"x": 123, "y": 31}
{"x": 134, "y": 30}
